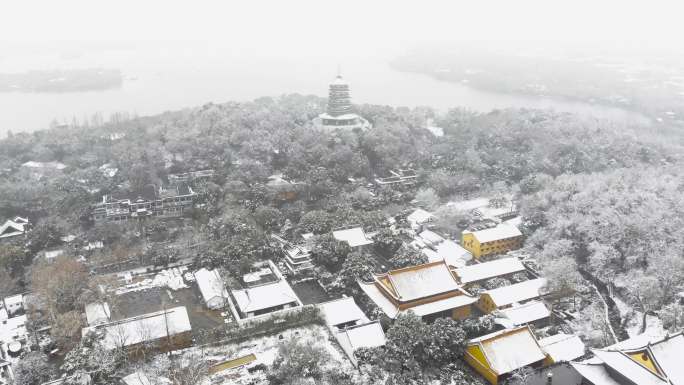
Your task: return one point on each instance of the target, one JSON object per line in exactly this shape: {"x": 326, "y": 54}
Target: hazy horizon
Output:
{"x": 278, "y": 47}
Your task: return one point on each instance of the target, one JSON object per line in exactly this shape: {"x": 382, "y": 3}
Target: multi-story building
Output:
{"x": 400, "y": 177}
{"x": 191, "y": 176}
{"x": 297, "y": 258}
{"x": 495, "y": 240}
{"x": 151, "y": 202}
{"x": 507, "y": 296}
{"x": 339, "y": 113}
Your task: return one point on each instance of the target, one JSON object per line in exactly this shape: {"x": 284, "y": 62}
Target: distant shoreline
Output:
{"x": 61, "y": 81}
{"x": 501, "y": 80}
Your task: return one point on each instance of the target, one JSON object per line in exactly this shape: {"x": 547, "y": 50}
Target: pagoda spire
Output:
{"x": 339, "y": 99}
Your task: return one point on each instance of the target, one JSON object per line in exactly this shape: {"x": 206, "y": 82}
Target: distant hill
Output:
{"x": 73, "y": 80}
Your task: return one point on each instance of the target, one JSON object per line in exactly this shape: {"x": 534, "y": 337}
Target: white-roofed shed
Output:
{"x": 342, "y": 312}
{"x": 355, "y": 237}
{"x": 519, "y": 292}
{"x": 97, "y": 313}
{"x": 563, "y": 347}
{"x": 487, "y": 270}
{"x": 212, "y": 288}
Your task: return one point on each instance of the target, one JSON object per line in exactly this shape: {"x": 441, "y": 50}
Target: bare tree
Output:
{"x": 119, "y": 335}
{"x": 521, "y": 376}
{"x": 189, "y": 371}
{"x": 144, "y": 332}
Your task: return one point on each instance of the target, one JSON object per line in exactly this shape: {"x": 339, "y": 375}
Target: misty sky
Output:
{"x": 352, "y": 27}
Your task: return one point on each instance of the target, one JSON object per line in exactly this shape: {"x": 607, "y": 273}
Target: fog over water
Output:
{"x": 243, "y": 50}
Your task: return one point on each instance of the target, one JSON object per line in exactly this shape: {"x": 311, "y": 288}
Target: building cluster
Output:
{"x": 13, "y": 334}
{"x": 171, "y": 309}
{"x": 297, "y": 258}
{"x": 190, "y": 176}
{"x": 399, "y": 177}
{"x": 152, "y": 201}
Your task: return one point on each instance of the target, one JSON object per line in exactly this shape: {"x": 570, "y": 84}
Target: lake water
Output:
{"x": 165, "y": 79}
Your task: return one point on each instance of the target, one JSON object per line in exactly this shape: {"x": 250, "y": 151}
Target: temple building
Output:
{"x": 638, "y": 360}
{"x": 339, "y": 113}
{"x": 429, "y": 290}
{"x": 496, "y": 240}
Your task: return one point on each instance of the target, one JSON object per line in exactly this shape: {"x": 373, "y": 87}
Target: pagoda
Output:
{"x": 339, "y": 113}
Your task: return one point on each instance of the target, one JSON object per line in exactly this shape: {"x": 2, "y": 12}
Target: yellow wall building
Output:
{"x": 495, "y": 356}
{"x": 504, "y": 297}
{"x": 429, "y": 290}
{"x": 495, "y": 240}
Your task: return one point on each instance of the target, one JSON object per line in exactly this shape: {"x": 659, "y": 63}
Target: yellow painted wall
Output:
{"x": 644, "y": 359}
{"x": 461, "y": 312}
{"x": 470, "y": 243}
{"x": 500, "y": 246}
{"x": 476, "y": 359}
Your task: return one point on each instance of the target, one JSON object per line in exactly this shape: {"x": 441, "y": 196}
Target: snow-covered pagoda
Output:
{"x": 339, "y": 113}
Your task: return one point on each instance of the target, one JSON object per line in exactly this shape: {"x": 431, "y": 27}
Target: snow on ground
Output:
{"x": 515, "y": 221}
{"x": 654, "y": 326}
{"x": 171, "y": 278}
{"x": 265, "y": 349}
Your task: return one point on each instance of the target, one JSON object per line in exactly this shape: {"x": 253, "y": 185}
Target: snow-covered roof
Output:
{"x": 94, "y": 245}
{"x": 12, "y": 228}
{"x": 596, "y": 373}
{"x": 379, "y": 299}
{"x": 55, "y": 165}
{"x": 368, "y": 335}
{"x": 391, "y": 310}
{"x": 136, "y": 378}
{"x": 450, "y": 259}
{"x": 277, "y": 180}
{"x": 668, "y": 353}
{"x": 431, "y": 237}
{"x": 147, "y": 327}
{"x": 265, "y": 296}
{"x": 419, "y": 216}
{"x": 354, "y": 237}
{"x": 518, "y": 292}
{"x": 501, "y": 231}
{"x": 97, "y": 312}
{"x": 451, "y": 250}
{"x": 13, "y": 329}
{"x": 469, "y": 204}
{"x": 627, "y": 367}
{"x": 563, "y": 347}
{"x": 526, "y": 313}
{"x": 67, "y": 238}
{"x": 339, "y": 81}
{"x": 508, "y": 350}
{"x": 14, "y": 301}
{"x": 210, "y": 284}
{"x": 341, "y": 311}
{"x": 665, "y": 352}
{"x": 431, "y": 255}
{"x": 482, "y": 271}
{"x": 443, "y": 304}
{"x": 419, "y": 281}
{"x": 338, "y": 117}
{"x": 51, "y": 254}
